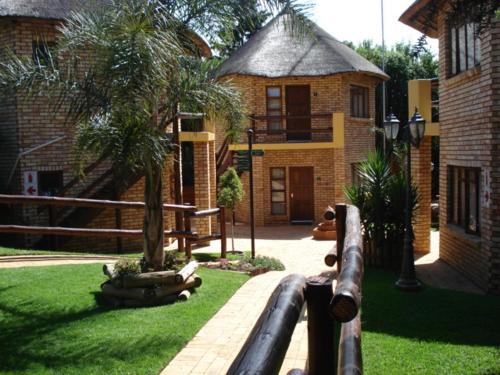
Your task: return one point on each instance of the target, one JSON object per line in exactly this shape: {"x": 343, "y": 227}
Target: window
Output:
{"x": 274, "y": 106}
{"x": 463, "y": 198}
{"x": 278, "y": 191}
{"x": 50, "y": 183}
{"x": 41, "y": 52}
{"x": 465, "y": 48}
{"x": 359, "y": 101}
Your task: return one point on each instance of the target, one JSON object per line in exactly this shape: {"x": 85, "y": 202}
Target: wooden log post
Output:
{"x": 329, "y": 214}
{"x": 346, "y": 300}
{"x": 179, "y": 220}
{"x": 350, "y": 356}
{"x": 266, "y": 346}
{"x": 341, "y": 212}
{"x": 188, "y": 243}
{"x": 223, "y": 234}
{"x": 133, "y": 293}
{"x": 186, "y": 272}
{"x": 109, "y": 270}
{"x": 184, "y": 295}
{"x": 320, "y": 327}
{"x": 53, "y": 240}
{"x": 193, "y": 281}
{"x": 331, "y": 257}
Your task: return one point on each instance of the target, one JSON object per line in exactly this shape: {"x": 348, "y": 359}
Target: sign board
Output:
{"x": 30, "y": 183}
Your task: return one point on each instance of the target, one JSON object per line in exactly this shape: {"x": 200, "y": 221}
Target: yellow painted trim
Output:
{"x": 196, "y": 136}
{"x": 432, "y": 129}
{"x": 283, "y": 146}
{"x": 338, "y": 129}
{"x": 419, "y": 96}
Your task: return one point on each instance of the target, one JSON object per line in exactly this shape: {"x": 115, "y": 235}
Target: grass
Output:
{"x": 431, "y": 332}
{"x": 50, "y": 323}
{"x": 200, "y": 257}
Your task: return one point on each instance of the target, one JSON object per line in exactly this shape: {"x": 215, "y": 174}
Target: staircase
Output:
{"x": 223, "y": 159}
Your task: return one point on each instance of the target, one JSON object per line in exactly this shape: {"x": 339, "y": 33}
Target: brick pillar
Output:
{"x": 258, "y": 186}
{"x": 213, "y": 183}
{"x": 202, "y": 182}
{"x": 422, "y": 177}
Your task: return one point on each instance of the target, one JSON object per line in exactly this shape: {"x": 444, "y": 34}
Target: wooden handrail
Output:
{"x": 209, "y": 212}
{"x": 350, "y": 356}
{"x": 90, "y": 232}
{"x": 265, "y": 348}
{"x": 290, "y": 117}
{"x": 79, "y": 202}
{"x": 86, "y": 171}
{"x": 346, "y": 300}
{"x": 221, "y": 155}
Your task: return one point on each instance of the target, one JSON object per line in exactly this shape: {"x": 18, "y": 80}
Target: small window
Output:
{"x": 359, "y": 102}
{"x": 278, "y": 191}
{"x": 41, "y": 52}
{"x": 465, "y": 48}
{"x": 274, "y": 108}
{"x": 463, "y": 198}
{"x": 50, "y": 183}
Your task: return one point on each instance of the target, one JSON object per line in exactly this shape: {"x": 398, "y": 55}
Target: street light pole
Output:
{"x": 250, "y": 170}
{"x": 407, "y": 279}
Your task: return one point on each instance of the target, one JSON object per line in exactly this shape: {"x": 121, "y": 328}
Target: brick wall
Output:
{"x": 332, "y": 167}
{"x": 469, "y": 131}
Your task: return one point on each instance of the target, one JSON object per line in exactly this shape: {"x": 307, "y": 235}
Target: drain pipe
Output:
{"x": 29, "y": 151}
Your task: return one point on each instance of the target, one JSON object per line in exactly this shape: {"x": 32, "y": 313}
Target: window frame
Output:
{"x": 359, "y": 93}
{"x": 459, "y": 203}
{"x": 56, "y": 178}
{"x": 471, "y": 55}
{"x": 271, "y": 179}
{"x": 269, "y": 110}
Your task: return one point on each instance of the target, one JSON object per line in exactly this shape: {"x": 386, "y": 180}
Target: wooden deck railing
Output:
{"x": 330, "y": 307}
{"x": 188, "y": 211}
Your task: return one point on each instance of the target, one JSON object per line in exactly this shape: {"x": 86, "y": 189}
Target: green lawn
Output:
{"x": 431, "y": 332}
{"x": 50, "y": 323}
{"x": 201, "y": 257}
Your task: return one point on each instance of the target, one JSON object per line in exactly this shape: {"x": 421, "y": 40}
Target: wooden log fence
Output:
{"x": 333, "y": 310}
{"x": 187, "y": 235}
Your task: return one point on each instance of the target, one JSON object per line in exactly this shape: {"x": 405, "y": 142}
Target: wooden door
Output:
{"x": 301, "y": 193}
{"x": 298, "y": 103}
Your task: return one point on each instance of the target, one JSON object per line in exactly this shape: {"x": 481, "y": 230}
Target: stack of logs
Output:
{"x": 326, "y": 230}
{"x": 150, "y": 288}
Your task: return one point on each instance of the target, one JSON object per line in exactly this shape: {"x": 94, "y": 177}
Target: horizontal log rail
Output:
{"x": 203, "y": 213}
{"x": 350, "y": 357}
{"x": 265, "y": 348}
{"x": 80, "y": 202}
{"x": 90, "y": 232}
{"x": 346, "y": 300}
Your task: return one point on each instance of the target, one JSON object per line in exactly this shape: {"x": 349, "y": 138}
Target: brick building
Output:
{"x": 469, "y": 128}
{"x": 311, "y": 102}
{"x": 36, "y": 146}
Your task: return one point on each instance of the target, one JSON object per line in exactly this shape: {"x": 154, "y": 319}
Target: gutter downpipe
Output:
{"x": 29, "y": 151}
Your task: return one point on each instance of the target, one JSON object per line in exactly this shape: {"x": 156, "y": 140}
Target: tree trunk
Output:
{"x": 232, "y": 228}
{"x": 153, "y": 217}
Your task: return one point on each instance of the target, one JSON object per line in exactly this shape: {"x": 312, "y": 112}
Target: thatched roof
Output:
{"x": 61, "y": 9}
{"x": 421, "y": 16}
{"x": 275, "y": 52}
{"x": 45, "y": 9}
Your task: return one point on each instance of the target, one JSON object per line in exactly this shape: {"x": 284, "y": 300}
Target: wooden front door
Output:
{"x": 301, "y": 193}
{"x": 298, "y": 103}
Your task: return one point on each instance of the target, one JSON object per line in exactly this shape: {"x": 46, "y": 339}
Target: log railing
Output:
{"x": 331, "y": 308}
{"x": 187, "y": 210}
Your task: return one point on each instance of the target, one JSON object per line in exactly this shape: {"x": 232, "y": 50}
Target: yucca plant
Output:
{"x": 380, "y": 196}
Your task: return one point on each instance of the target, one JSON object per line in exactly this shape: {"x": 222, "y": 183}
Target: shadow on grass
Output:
{"x": 430, "y": 315}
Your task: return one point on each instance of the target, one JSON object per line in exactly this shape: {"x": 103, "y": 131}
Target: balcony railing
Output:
{"x": 311, "y": 128}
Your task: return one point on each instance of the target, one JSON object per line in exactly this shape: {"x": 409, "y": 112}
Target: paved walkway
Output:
{"x": 51, "y": 260}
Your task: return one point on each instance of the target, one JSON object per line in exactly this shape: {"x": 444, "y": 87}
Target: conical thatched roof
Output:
{"x": 46, "y": 9}
{"x": 275, "y": 52}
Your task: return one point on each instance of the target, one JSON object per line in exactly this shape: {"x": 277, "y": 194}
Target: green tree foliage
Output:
{"x": 380, "y": 197}
{"x": 230, "y": 193}
{"x": 401, "y": 65}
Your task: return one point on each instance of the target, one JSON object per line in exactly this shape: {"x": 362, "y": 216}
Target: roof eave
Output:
{"x": 382, "y": 76}
{"x": 415, "y": 17}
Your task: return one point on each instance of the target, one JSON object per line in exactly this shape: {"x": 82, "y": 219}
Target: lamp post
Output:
{"x": 412, "y": 134}
{"x": 252, "y": 212}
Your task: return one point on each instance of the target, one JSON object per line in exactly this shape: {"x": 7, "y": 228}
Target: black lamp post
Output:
{"x": 413, "y": 133}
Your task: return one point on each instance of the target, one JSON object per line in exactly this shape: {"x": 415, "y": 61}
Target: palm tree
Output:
{"x": 124, "y": 73}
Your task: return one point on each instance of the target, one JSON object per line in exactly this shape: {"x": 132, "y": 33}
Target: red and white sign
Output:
{"x": 31, "y": 183}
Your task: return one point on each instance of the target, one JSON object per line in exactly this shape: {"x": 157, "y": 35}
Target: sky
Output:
{"x": 357, "y": 20}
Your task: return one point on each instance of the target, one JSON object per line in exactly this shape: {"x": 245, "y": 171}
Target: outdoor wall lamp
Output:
{"x": 413, "y": 133}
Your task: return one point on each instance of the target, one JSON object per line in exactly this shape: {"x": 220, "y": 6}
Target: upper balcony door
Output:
{"x": 298, "y": 112}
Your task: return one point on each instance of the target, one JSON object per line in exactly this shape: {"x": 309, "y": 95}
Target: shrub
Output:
{"x": 127, "y": 266}
{"x": 269, "y": 263}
